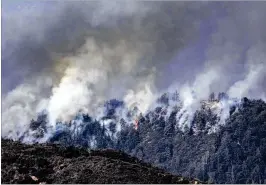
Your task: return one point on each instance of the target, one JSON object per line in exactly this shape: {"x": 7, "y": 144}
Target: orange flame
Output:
{"x": 136, "y": 124}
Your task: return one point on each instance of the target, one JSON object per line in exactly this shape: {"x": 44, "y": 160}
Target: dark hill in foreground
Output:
{"x": 50, "y": 163}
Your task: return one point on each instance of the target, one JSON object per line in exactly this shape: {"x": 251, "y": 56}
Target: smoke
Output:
{"x": 253, "y": 83}
{"x": 71, "y": 57}
{"x": 237, "y": 50}
{"x": 88, "y": 52}
{"x": 234, "y": 60}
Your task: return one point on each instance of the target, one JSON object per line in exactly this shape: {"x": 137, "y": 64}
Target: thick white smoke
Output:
{"x": 76, "y": 55}
{"x": 91, "y": 76}
{"x": 234, "y": 61}
{"x": 85, "y": 53}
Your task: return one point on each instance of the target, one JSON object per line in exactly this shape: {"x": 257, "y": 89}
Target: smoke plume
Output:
{"x": 69, "y": 57}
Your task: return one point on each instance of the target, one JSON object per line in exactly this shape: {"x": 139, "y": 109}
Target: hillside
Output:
{"x": 232, "y": 151}
{"x": 49, "y": 163}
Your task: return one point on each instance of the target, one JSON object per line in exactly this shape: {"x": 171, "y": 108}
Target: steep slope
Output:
{"x": 48, "y": 163}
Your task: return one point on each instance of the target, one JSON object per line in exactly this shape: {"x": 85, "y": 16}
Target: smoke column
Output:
{"x": 71, "y": 57}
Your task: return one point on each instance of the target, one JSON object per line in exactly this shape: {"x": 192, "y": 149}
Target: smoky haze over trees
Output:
{"x": 233, "y": 152}
{"x": 132, "y": 51}
{"x": 63, "y": 60}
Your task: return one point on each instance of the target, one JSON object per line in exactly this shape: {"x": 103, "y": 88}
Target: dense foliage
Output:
{"x": 235, "y": 153}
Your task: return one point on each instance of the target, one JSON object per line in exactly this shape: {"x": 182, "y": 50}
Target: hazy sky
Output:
{"x": 69, "y": 56}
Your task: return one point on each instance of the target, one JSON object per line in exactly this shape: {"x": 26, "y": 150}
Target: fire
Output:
{"x": 136, "y": 124}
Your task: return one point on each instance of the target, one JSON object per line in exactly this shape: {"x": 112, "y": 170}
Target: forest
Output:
{"x": 234, "y": 153}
